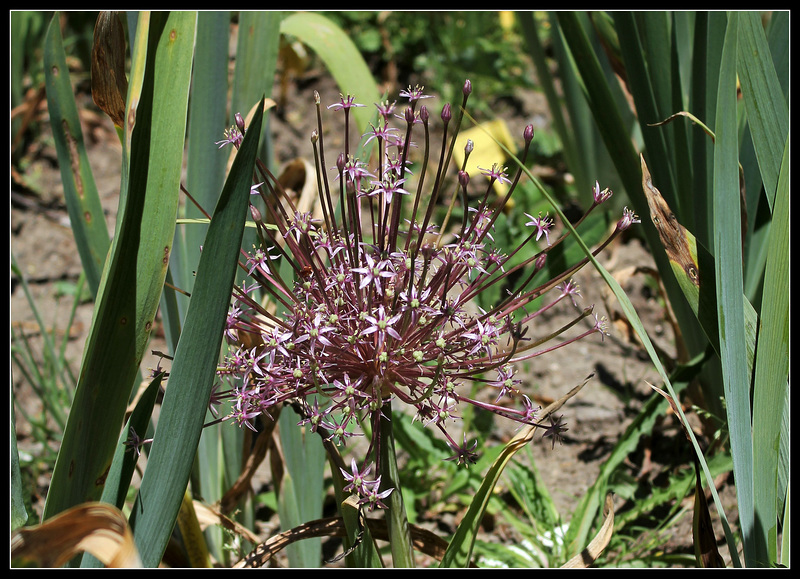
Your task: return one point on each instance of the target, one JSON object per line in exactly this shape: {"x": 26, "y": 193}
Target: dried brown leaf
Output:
{"x": 96, "y": 528}
{"x": 109, "y": 83}
{"x": 596, "y": 546}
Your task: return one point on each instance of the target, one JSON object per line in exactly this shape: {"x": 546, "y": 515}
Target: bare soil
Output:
{"x": 41, "y": 240}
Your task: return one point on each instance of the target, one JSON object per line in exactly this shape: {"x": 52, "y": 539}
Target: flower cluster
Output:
{"x": 373, "y": 302}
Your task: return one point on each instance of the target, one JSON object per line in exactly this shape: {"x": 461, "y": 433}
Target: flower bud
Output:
{"x": 463, "y": 179}
{"x": 409, "y": 115}
{"x": 446, "y": 114}
{"x": 467, "y": 87}
{"x": 340, "y": 162}
{"x": 239, "y": 122}
{"x": 527, "y": 134}
{"x": 423, "y": 113}
{"x": 255, "y": 213}
{"x": 541, "y": 259}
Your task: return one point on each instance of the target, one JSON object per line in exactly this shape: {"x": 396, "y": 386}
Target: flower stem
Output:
{"x": 397, "y": 522}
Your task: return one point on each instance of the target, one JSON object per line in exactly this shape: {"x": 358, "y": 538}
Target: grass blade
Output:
{"x": 18, "y": 513}
{"x": 194, "y": 368}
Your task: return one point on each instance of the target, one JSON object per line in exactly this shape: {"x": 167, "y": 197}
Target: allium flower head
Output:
{"x": 379, "y": 307}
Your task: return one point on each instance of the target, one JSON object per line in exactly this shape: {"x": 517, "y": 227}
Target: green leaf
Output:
{"x": 364, "y": 555}
{"x": 205, "y": 165}
{"x": 194, "y": 367}
{"x": 397, "y": 518}
{"x": 341, "y": 57}
{"x": 205, "y": 176}
{"x": 301, "y": 494}
{"x": 115, "y": 491}
{"x": 772, "y": 372}
{"x": 133, "y": 279}
{"x": 83, "y": 202}
{"x": 256, "y": 58}
{"x": 18, "y": 514}
{"x": 728, "y": 261}
{"x": 767, "y": 113}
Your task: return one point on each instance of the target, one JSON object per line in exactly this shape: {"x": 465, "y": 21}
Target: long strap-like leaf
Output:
{"x": 133, "y": 279}
{"x": 730, "y": 307}
{"x": 771, "y": 373}
{"x": 83, "y": 203}
{"x": 194, "y": 367}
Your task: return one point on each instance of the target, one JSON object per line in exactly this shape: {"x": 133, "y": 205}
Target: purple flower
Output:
{"x": 135, "y": 443}
{"x": 259, "y": 260}
{"x": 465, "y": 455}
{"x": 355, "y": 171}
{"x": 387, "y": 188}
{"x": 554, "y": 431}
{"x": 233, "y": 136}
{"x": 383, "y": 132}
{"x": 628, "y": 219}
{"x": 496, "y": 173}
{"x": 380, "y": 325}
{"x": 345, "y": 103}
{"x": 542, "y": 225}
{"x": 571, "y": 289}
{"x": 600, "y": 196}
{"x": 373, "y": 271}
{"x": 372, "y": 498}
{"x": 414, "y": 94}
{"x": 386, "y": 109}
{"x": 367, "y": 490}
{"x": 375, "y": 300}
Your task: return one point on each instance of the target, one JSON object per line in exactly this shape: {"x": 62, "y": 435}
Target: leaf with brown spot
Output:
{"x": 693, "y": 266}
{"x": 679, "y": 244}
{"x": 109, "y": 83}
